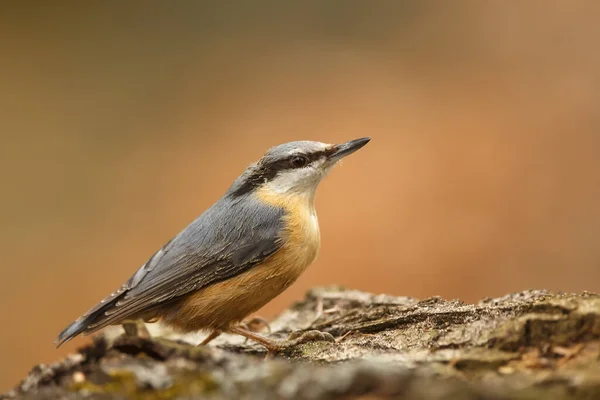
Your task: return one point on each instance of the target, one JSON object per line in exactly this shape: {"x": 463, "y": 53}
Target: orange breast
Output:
{"x": 230, "y": 301}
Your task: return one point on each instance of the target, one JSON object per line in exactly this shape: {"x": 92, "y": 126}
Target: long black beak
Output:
{"x": 344, "y": 149}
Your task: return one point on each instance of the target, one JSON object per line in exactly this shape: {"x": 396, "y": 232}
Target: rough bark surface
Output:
{"x": 528, "y": 345}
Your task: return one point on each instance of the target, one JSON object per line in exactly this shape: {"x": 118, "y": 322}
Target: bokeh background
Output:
{"x": 120, "y": 122}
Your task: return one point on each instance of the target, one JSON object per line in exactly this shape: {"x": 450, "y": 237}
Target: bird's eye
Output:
{"x": 299, "y": 161}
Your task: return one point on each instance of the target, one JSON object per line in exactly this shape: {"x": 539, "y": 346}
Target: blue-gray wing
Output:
{"x": 227, "y": 240}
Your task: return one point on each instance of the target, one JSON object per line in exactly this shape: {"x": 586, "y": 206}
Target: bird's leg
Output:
{"x": 271, "y": 345}
{"x": 213, "y": 335}
{"x": 275, "y": 346}
{"x": 252, "y": 325}
{"x": 135, "y": 328}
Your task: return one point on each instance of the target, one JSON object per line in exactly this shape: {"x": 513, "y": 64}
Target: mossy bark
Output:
{"x": 528, "y": 345}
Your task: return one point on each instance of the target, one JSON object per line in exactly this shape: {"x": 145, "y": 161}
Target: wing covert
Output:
{"x": 228, "y": 239}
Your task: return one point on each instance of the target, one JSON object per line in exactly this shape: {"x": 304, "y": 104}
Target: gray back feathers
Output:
{"x": 226, "y": 240}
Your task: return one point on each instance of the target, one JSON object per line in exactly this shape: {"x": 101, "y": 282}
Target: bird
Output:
{"x": 242, "y": 252}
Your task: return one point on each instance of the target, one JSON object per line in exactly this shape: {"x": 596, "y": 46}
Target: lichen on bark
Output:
{"x": 533, "y": 344}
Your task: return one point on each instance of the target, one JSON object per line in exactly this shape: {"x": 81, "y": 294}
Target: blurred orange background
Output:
{"x": 122, "y": 122}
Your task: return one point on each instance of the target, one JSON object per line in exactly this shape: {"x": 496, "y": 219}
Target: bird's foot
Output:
{"x": 277, "y": 346}
{"x": 254, "y": 324}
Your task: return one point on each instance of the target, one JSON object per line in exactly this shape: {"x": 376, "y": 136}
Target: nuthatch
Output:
{"x": 243, "y": 251}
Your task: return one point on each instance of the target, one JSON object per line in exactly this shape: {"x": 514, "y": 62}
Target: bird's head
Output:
{"x": 294, "y": 167}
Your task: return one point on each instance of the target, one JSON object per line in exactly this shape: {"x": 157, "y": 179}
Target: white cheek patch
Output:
{"x": 283, "y": 182}
{"x": 301, "y": 180}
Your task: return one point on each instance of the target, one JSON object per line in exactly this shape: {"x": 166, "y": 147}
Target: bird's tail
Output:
{"x": 90, "y": 322}
{"x": 74, "y": 329}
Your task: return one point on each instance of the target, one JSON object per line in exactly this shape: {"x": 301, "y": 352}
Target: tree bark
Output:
{"x": 528, "y": 345}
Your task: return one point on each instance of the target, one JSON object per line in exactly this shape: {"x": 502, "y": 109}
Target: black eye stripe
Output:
{"x": 265, "y": 171}
{"x": 311, "y": 156}
{"x": 286, "y": 163}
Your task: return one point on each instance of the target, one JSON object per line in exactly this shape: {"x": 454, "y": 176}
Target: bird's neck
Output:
{"x": 276, "y": 196}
